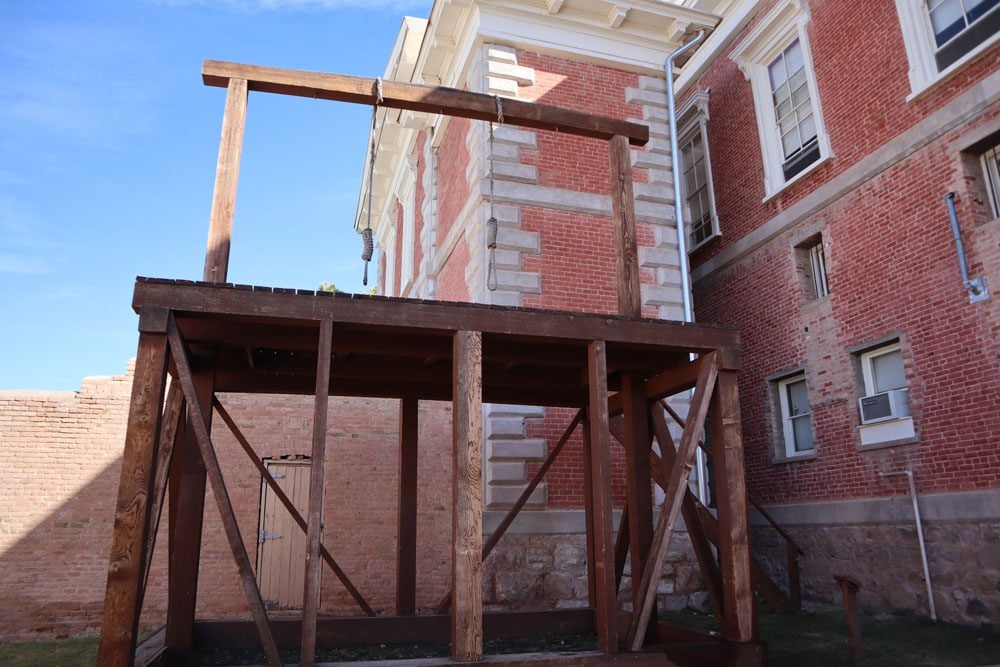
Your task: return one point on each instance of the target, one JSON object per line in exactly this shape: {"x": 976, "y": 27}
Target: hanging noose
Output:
{"x": 491, "y": 224}
{"x": 368, "y": 245}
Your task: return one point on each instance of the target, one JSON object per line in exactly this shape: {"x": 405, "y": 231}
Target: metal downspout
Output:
{"x": 920, "y": 537}
{"x": 976, "y": 286}
{"x": 679, "y": 218}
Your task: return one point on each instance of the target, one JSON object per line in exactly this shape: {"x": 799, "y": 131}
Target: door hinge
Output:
{"x": 264, "y": 536}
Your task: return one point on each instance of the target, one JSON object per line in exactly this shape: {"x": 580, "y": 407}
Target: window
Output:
{"x": 793, "y": 110}
{"x": 991, "y": 165}
{"x": 941, "y": 35}
{"x": 810, "y": 265}
{"x": 775, "y": 59}
{"x": 796, "y": 420}
{"x": 884, "y": 377}
{"x": 696, "y": 167}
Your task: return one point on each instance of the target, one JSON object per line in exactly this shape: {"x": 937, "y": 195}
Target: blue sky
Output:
{"x": 108, "y": 145}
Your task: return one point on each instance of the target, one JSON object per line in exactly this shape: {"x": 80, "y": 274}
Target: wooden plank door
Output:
{"x": 281, "y": 544}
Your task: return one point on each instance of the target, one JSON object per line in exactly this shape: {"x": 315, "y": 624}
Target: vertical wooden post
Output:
{"x": 317, "y": 480}
{"x": 605, "y": 611}
{"x": 227, "y": 176}
{"x": 623, "y": 213}
{"x": 588, "y": 511}
{"x": 406, "y": 533}
{"x": 126, "y": 568}
{"x": 187, "y": 482}
{"x": 467, "y": 497}
{"x": 638, "y": 489}
{"x": 740, "y": 622}
{"x": 849, "y": 592}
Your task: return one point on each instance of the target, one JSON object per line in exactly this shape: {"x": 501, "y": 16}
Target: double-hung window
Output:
{"x": 796, "y": 417}
{"x": 940, "y": 35}
{"x": 884, "y": 408}
{"x": 776, "y": 60}
{"x": 793, "y": 110}
{"x": 696, "y": 168}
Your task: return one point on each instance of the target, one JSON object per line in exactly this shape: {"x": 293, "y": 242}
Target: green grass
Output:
{"x": 793, "y": 640}
{"x": 820, "y": 638}
{"x": 81, "y": 652}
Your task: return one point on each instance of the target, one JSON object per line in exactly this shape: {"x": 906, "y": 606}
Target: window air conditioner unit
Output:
{"x": 884, "y": 406}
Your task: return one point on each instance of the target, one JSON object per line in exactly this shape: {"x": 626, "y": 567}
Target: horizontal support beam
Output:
{"x": 409, "y": 315}
{"x": 415, "y": 97}
{"x": 332, "y": 632}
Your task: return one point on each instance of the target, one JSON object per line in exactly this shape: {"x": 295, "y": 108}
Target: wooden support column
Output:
{"x": 406, "y": 532}
{"x": 186, "y": 511}
{"x": 199, "y": 423}
{"x": 467, "y": 497}
{"x": 227, "y": 176}
{"x": 317, "y": 480}
{"x": 126, "y": 569}
{"x": 740, "y": 622}
{"x": 623, "y": 212}
{"x": 605, "y": 611}
{"x": 588, "y": 511}
{"x": 638, "y": 488}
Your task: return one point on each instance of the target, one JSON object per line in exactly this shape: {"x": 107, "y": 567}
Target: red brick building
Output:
{"x": 834, "y": 130}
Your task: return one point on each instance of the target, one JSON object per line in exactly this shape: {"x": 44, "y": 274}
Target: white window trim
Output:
{"x": 918, "y": 40}
{"x": 782, "y": 25}
{"x": 691, "y": 119}
{"x": 817, "y": 264}
{"x": 787, "y": 430}
{"x": 408, "y": 249}
{"x": 894, "y": 430}
{"x": 390, "y": 263}
{"x": 991, "y": 173}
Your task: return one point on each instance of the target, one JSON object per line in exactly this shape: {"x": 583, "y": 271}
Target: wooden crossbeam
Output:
{"x": 600, "y": 491}
{"x": 317, "y": 480}
{"x": 521, "y": 501}
{"x": 416, "y": 97}
{"x": 467, "y": 497}
{"x": 290, "y": 506}
{"x": 126, "y": 567}
{"x": 199, "y": 424}
{"x": 672, "y": 502}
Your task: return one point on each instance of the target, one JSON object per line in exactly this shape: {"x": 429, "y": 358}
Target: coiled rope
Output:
{"x": 368, "y": 245}
{"x": 491, "y": 224}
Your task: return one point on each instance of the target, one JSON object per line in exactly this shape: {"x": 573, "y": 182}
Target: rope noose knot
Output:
{"x": 368, "y": 250}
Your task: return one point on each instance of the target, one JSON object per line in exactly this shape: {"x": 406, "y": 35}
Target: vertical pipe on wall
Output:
{"x": 920, "y": 537}
{"x": 679, "y": 218}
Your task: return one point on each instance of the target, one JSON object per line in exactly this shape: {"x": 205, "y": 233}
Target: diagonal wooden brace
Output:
{"x": 443, "y": 606}
{"x": 672, "y": 502}
{"x": 198, "y": 421}
{"x": 292, "y": 510}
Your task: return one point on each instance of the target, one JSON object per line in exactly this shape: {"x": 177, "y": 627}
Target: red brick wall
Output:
{"x": 863, "y": 108}
{"x": 891, "y": 264}
{"x": 62, "y": 454}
